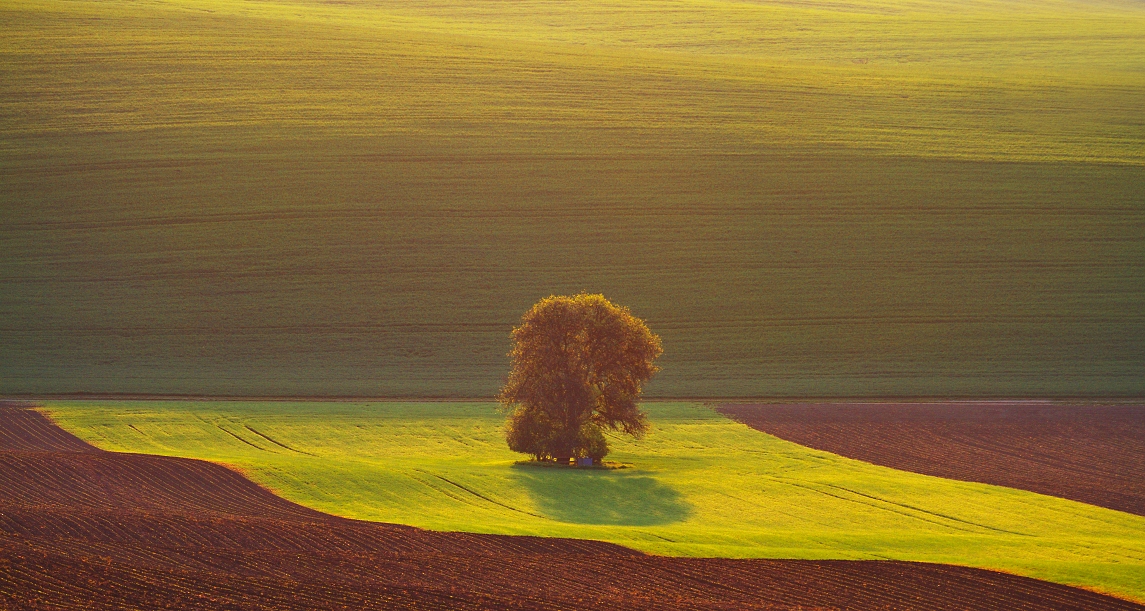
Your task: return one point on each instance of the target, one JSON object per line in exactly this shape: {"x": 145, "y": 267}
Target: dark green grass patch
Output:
{"x": 327, "y": 271}
{"x": 215, "y": 197}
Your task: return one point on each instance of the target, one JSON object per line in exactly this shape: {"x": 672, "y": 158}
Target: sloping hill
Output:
{"x": 699, "y": 485}
{"x": 1089, "y": 453}
{"x": 86, "y": 529}
{"x": 282, "y": 198}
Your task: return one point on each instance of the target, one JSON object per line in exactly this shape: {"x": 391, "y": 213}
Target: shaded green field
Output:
{"x": 304, "y": 198}
{"x": 698, "y": 485}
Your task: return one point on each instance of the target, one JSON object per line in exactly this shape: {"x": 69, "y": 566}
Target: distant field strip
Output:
{"x": 831, "y": 198}
{"x": 1029, "y": 81}
{"x": 699, "y": 485}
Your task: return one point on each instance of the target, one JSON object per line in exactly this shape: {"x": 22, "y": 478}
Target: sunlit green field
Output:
{"x": 698, "y": 485}
{"x": 904, "y": 197}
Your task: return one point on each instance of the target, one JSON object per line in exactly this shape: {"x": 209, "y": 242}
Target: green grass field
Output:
{"x": 698, "y": 485}
{"x": 313, "y": 198}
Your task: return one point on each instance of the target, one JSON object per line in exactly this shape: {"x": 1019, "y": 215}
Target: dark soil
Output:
{"x": 1089, "y": 453}
{"x": 86, "y": 529}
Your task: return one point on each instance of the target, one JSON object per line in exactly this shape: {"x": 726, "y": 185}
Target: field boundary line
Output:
{"x": 236, "y": 436}
{"x": 277, "y": 443}
{"x": 926, "y": 511}
{"x": 876, "y": 506}
{"x": 482, "y": 496}
{"x": 445, "y": 492}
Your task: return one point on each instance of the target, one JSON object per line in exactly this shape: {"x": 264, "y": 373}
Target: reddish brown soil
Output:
{"x": 1089, "y": 453}
{"x": 86, "y": 529}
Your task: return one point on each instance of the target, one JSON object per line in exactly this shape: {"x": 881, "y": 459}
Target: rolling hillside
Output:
{"x": 1089, "y": 453}
{"x": 700, "y": 485}
{"x": 125, "y": 533}
{"x": 360, "y": 198}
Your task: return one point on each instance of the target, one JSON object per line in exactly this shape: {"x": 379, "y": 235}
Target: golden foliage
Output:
{"x": 578, "y": 364}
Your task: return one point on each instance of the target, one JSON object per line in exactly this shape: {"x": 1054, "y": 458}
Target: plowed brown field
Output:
{"x": 86, "y": 529}
{"x": 1089, "y": 453}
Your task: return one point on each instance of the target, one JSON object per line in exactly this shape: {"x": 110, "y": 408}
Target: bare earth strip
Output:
{"x": 1089, "y": 453}
{"x": 82, "y": 528}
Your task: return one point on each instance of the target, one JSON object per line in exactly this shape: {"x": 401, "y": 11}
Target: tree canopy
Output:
{"x": 578, "y": 365}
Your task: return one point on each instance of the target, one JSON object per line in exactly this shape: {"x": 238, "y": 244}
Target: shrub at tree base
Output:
{"x": 578, "y": 364}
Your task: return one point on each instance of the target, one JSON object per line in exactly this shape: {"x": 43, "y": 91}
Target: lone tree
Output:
{"x": 577, "y": 367}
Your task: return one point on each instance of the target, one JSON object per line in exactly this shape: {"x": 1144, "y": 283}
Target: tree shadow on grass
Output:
{"x": 602, "y": 497}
